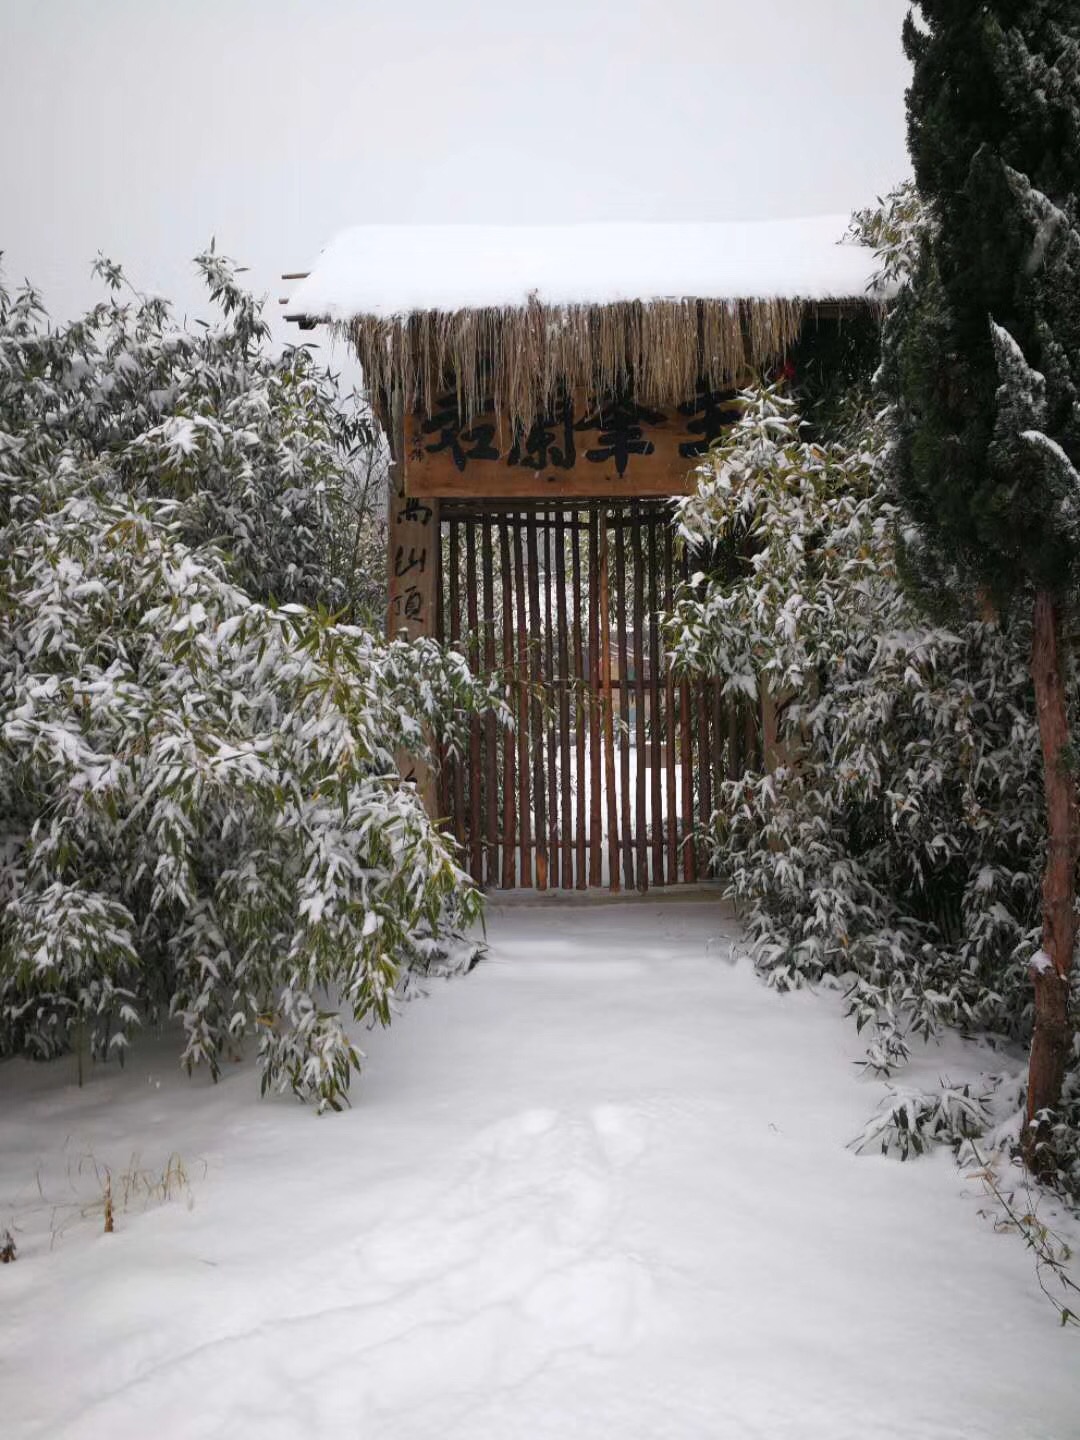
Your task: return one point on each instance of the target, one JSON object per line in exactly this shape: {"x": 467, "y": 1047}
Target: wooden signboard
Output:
{"x": 413, "y": 533}
{"x": 618, "y": 451}
{"x": 414, "y": 565}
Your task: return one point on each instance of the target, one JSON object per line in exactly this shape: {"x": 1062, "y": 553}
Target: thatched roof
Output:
{"x": 515, "y": 315}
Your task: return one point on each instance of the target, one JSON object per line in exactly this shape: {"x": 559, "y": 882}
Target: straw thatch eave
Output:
{"x": 519, "y": 359}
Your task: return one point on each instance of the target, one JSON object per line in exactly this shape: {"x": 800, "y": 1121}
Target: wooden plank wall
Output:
{"x": 612, "y": 766}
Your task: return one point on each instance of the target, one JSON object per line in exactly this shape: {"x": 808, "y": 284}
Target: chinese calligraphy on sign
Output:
{"x": 414, "y": 538}
{"x": 443, "y": 432}
{"x": 413, "y": 554}
{"x": 622, "y": 432}
{"x": 706, "y": 417}
{"x": 620, "y": 449}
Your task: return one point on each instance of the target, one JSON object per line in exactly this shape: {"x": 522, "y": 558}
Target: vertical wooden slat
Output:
{"x": 566, "y": 797}
{"x": 704, "y": 762}
{"x": 549, "y": 702}
{"x": 719, "y": 738}
{"x": 624, "y": 703}
{"x": 734, "y": 738}
{"x": 639, "y": 698}
{"x": 476, "y": 859}
{"x": 457, "y": 765}
{"x": 689, "y": 846}
{"x": 491, "y": 742}
{"x": 441, "y": 635}
{"x": 596, "y": 823}
{"x": 579, "y": 709}
{"x": 440, "y": 598}
{"x": 539, "y": 784}
{"x": 655, "y": 717}
{"x": 509, "y": 835}
{"x": 670, "y": 718}
{"x": 524, "y": 816}
{"x": 609, "y": 728}
{"x": 752, "y": 734}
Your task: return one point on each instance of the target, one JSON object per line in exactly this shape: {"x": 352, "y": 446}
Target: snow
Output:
{"x": 598, "y": 1187}
{"x": 1046, "y": 442}
{"x": 1041, "y": 963}
{"x": 387, "y": 270}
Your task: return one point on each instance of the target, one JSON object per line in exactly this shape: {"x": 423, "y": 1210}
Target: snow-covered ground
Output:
{"x": 597, "y": 1188}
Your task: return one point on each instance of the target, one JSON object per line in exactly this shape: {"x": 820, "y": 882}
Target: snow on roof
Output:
{"x": 393, "y": 270}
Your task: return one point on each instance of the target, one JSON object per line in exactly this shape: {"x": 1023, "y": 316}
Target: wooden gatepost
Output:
{"x": 545, "y": 392}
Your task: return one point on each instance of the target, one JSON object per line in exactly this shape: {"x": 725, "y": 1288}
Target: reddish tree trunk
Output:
{"x": 1050, "y": 970}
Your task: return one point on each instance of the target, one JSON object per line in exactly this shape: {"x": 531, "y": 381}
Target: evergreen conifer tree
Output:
{"x": 983, "y": 365}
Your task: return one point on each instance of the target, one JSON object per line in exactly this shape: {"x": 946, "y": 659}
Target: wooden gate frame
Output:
{"x": 624, "y": 555}
{"x": 668, "y": 856}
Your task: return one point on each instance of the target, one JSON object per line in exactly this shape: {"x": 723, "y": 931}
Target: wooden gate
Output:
{"x": 611, "y": 766}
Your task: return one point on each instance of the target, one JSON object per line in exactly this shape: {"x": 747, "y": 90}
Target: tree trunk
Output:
{"x": 1050, "y": 969}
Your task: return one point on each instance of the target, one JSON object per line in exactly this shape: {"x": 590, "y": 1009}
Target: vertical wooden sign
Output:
{"x": 414, "y": 565}
{"x": 414, "y": 538}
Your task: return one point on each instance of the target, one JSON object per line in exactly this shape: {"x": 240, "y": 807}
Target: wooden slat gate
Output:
{"x": 611, "y": 766}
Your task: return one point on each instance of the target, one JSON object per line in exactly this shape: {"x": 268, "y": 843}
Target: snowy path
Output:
{"x": 597, "y": 1188}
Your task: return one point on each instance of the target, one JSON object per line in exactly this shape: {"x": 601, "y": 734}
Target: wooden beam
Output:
{"x": 475, "y": 650}
{"x": 656, "y": 779}
{"x": 565, "y": 781}
{"x": 640, "y": 826}
{"x": 412, "y": 610}
{"x": 540, "y": 836}
{"x": 580, "y": 878}
{"x": 670, "y": 711}
{"x": 510, "y": 832}
{"x": 491, "y": 744}
{"x": 621, "y": 603}
{"x": 602, "y": 486}
{"x": 596, "y": 823}
{"x": 609, "y": 733}
{"x": 457, "y": 774}
{"x": 522, "y": 690}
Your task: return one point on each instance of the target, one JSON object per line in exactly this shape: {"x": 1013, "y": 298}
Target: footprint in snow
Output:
{"x": 620, "y": 1132}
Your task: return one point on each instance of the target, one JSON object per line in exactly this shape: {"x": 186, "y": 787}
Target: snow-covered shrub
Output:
{"x": 899, "y": 845}
{"x": 199, "y": 809}
{"x": 893, "y": 228}
{"x": 910, "y": 1122}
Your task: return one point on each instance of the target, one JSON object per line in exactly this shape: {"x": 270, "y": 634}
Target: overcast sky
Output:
{"x": 143, "y": 127}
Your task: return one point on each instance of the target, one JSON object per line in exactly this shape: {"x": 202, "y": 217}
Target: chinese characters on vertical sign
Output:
{"x": 414, "y": 568}
{"x": 620, "y": 449}
{"x": 413, "y": 563}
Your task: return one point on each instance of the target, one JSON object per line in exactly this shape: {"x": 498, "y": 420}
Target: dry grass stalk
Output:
{"x": 518, "y": 359}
